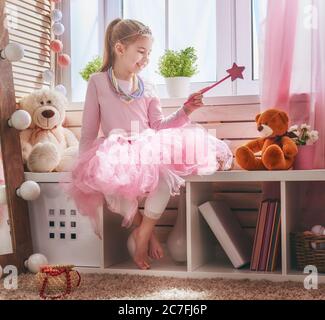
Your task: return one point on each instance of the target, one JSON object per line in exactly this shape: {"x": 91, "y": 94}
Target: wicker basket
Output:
{"x": 305, "y": 254}
{"x": 55, "y": 282}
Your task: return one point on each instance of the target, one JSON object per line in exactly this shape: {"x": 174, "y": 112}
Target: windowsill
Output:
{"x": 208, "y": 101}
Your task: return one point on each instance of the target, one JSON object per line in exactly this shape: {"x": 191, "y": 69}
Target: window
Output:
{"x": 156, "y": 20}
{"x": 258, "y": 21}
{"x": 85, "y": 40}
{"x": 170, "y": 32}
{"x": 222, "y": 31}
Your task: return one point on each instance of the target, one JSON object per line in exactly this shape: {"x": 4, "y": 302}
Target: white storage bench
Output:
{"x": 234, "y": 121}
{"x": 205, "y": 258}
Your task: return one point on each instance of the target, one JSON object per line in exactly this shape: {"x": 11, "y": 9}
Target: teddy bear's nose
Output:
{"x": 48, "y": 113}
{"x": 260, "y": 128}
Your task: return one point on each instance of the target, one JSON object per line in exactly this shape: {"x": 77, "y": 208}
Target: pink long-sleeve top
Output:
{"x": 104, "y": 109}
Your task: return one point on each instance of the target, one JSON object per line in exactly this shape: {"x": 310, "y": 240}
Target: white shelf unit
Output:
{"x": 204, "y": 257}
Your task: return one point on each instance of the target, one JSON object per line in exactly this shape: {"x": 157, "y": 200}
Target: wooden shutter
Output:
{"x": 29, "y": 24}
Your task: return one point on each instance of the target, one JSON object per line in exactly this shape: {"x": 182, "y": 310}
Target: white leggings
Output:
{"x": 155, "y": 203}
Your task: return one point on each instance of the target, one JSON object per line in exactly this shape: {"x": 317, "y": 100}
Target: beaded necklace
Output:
{"x": 137, "y": 87}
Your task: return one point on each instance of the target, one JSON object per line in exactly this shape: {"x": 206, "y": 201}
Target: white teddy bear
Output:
{"x": 46, "y": 145}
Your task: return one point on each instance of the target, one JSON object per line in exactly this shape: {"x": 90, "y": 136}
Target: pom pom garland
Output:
{"x": 58, "y": 28}
{"x": 64, "y": 60}
{"x": 56, "y": 15}
{"x": 56, "y": 46}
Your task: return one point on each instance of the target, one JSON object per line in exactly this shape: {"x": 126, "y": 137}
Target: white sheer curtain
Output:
{"x": 293, "y": 79}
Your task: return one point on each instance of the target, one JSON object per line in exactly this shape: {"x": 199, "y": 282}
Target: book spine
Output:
{"x": 253, "y": 258}
{"x": 273, "y": 235}
{"x": 276, "y": 251}
{"x": 266, "y": 236}
{"x": 259, "y": 235}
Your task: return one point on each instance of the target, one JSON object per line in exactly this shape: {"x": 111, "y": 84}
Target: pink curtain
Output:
{"x": 293, "y": 79}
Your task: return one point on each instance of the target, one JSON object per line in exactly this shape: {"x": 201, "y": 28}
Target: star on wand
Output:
{"x": 235, "y": 72}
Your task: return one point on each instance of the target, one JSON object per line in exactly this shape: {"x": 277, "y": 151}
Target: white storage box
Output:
{"x": 58, "y": 230}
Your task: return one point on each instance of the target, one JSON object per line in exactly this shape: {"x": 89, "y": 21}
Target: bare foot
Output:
{"x": 155, "y": 249}
{"x": 141, "y": 250}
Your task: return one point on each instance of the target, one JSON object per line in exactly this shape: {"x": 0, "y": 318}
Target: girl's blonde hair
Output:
{"x": 126, "y": 31}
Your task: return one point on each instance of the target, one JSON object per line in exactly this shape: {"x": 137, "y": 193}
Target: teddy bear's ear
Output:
{"x": 257, "y": 117}
{"x": 284, "y": 117}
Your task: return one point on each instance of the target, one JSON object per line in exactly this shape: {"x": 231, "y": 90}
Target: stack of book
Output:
{"x": 267, "y": 237}
{"x": 226, "y": 228}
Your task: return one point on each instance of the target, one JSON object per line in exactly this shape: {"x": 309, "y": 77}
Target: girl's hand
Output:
{"x": 195, "y": 102}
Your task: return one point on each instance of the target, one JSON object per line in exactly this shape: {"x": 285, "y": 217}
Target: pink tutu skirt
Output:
{"x": 130, "y": 166}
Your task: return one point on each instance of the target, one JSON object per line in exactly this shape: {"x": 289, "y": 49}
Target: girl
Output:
{"x": 130, "y": 116}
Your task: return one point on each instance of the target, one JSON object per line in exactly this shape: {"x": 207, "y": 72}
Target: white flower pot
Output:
{"x": 178, "y": 87}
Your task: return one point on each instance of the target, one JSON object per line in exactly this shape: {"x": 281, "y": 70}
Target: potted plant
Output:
{"x": 91, "y": 67}
{"x": 305, "y": 139}
{"x": 177, "y": 67}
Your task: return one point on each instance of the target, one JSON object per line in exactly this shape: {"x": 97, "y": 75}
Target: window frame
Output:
{"x": 244, "y": 35}
{"x": 232, "y": 17}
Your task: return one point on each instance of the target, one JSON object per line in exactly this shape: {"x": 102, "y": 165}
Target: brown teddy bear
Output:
{"x": 46, "y": 145}
{"x": 278, "y": 148}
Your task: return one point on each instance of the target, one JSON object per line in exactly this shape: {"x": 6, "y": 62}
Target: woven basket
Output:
{"x": 305, "y": 254}
{"x": 55, "y": 282}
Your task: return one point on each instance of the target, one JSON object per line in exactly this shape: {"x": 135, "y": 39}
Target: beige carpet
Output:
{"x": 104, "y": 286}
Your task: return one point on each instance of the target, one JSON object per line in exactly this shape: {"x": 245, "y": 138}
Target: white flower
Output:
{"x": 293, "y": 128}
{"x": 313, "y": 136}
{"x": 305, "y": 126}
{"x": 299, "y": 133}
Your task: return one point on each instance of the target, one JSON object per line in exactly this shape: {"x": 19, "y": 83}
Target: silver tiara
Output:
{"x": 142, "y": 32}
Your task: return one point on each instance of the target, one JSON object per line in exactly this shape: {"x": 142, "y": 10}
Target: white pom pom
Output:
{"x": 61, "y": 88}
{"x": 56, "y": 15}
{"x": 35, "y": 262}
{"x": 20, "y": 120}
{"x": 48, "y": 75}
{"x": 58, "y": 28}
{"x": 318, "y": 229}
{"x": 29, "y": 190}
{"x": 13, "y": 52}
